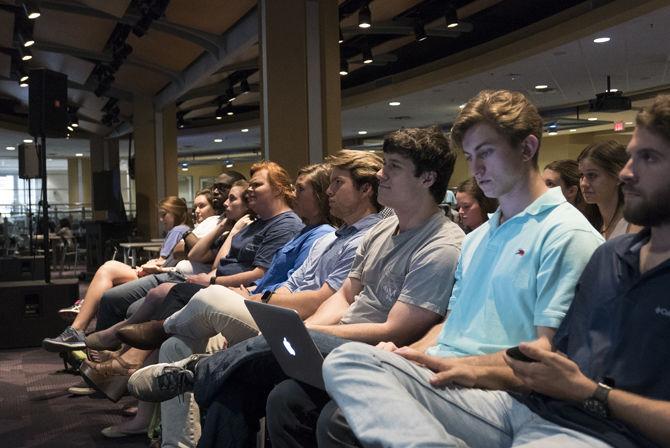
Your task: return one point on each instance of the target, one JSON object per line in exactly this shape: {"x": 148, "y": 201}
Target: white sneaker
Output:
{"x": 70, "y": 313}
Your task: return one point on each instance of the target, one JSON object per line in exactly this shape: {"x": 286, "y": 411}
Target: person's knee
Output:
{"x": 281, "y": 404}
{"x": 344, "y": 354}
{"x": 332, "y": 429}
{"x": 156, "y": 295}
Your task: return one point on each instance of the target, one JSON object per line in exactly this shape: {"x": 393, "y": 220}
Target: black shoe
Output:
{"x": 69, "y": 339}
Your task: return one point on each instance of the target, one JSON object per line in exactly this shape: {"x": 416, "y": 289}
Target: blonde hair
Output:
{"x": 178, "y": 208}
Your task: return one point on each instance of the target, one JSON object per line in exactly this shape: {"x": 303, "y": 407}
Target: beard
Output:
{"x": 649, "y": 210}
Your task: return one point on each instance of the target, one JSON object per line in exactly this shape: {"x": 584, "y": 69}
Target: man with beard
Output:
{"x": 604, "y": 381}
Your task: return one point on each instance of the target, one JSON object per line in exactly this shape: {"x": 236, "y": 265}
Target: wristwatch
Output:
{"x": 597, "y": 403}
{"x": 265, "y": 298}
{"x": 212, "y": 280}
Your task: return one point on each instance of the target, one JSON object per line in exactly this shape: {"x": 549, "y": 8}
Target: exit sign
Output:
{"x": 618, "y": 126}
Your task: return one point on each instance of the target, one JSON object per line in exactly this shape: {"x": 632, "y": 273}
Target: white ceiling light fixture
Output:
{"x": 10, "y": 148}
{"x": 363, "y": 132}
{"x": 573, "y": 130}
{"x": 553, "y": 133}
{"x": 79, "y": 154}
{"x": 394, "y": 103}
{"x": 364, "y": 17}
{"x": 218, "y": 140}
{"x": 27, "y": 140}
{"x": 541, "y": 87}
{"x": 601, "y": 40}
{"x": 244, "y": 130}
{"x": 592, "y": 119}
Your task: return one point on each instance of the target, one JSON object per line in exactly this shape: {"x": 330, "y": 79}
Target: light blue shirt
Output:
{"x": 515, "y": 276}
{"x": 331, "y": 257}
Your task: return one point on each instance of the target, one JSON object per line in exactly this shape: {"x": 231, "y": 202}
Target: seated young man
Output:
{"x": 352, "y": 196}
{"x": 517, "y": 272}
{"x": 602, "y": 383}
{"x": 397, "y": 289}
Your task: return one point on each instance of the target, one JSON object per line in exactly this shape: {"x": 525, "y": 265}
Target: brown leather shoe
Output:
{"x": 146, "y": 336}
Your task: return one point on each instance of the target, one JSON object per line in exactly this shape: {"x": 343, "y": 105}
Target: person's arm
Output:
{"x": 304, "y": 302}
{"x": 179, "y": 251}
{"x": 243, "y": 278}
{"x": 557, "y": 376}
{"x": 405, "y": 324}
{"x": 331, "y": 311}
{"x": 485, "y": 371}
{"x": 201, "y": 251}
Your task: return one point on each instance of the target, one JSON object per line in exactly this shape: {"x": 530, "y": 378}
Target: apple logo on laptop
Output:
{"x": 287, "y": 346}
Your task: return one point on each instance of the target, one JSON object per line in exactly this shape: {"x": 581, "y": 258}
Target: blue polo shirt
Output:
{"x": 617, "y": 331}
{"x": 515, "y": 276}
{"x": 291, "y": 257}
{"x": 331, "y": 257}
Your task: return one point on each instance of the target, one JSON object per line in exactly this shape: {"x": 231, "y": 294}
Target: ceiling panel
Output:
{"x": 136, "y": 79}
{"x": 73, "y": 30}
{"x": 212, "y": 16}
{"x": 116, "y": 8}
{"x": 77, "y": 69}
{"x": 164, "y": 50}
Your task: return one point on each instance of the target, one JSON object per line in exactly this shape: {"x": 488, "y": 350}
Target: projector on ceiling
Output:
{"x": 609, "y": 102}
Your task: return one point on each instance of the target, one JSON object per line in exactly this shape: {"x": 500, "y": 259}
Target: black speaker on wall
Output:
{"x": 29, "y": 161}
{"x": 47, "y": 99}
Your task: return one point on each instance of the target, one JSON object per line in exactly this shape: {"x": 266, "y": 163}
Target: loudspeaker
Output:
{"x": 47, "y": 99}
{"x": 22, "y": 267}
{"x": 29, "y": 161}
{"x": 30, "y": 311}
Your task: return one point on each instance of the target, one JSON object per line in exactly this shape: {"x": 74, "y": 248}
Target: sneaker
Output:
{"x": 70, "y": 313}
{"x": 81, "y": 390}
{"x": 161, "y": 382}
{"x": 69, "y": 339}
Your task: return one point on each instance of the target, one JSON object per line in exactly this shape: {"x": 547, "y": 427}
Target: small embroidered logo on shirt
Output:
{"x": 663, "y": 311}
{"x": 520, "y": 252}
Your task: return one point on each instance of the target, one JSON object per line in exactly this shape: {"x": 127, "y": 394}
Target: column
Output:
{"x": 300, "y": 97}
{"x": 155, "y": 142}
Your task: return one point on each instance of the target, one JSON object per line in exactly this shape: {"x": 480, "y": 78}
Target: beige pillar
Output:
{"x": 155, "y": 141}
{"x": 300, "y": 99}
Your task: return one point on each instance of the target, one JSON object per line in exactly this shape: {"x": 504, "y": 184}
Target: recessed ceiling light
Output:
{"x": 23, "y": 84}
{"x": 573, "y": 130}
{"x": 79, "y": 154}
{"x": 592, "y": 119}
{"x": 614, "y": 90}
{"x": 553, "y": 133}
{"x": 462, "y": 106}
{"x": 541, "y": 87}
{"x": 362, "y": 132}
{"x": 230, "y": 112}
{"x": 394, "y": 103}
{"x": 229, "y": 165}
{"x": 219, "y": 117}
{"x": 27, "y": 140}
{"x": 10, "y": 148}
{"x": 628, "y": 123}
{"x": 245, "y": 130}
{"x": 218, "y": 140}
{"x": 184, "y": 169}
{"x": 601, "y": 40}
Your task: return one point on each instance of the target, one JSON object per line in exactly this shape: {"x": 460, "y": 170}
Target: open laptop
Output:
{"x": 289, "y": 341}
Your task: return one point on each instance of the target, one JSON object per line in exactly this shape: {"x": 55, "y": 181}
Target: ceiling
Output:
{"x": 192, "y": 53}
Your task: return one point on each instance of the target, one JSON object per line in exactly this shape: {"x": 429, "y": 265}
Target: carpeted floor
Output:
{"x": 36, "y": 410}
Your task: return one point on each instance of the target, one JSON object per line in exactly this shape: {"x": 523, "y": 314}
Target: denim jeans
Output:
{"x": 389, "y": 402}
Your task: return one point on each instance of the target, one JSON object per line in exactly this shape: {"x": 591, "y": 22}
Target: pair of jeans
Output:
{"x": 115, "y": 301}
{"x": 388, "y": 401}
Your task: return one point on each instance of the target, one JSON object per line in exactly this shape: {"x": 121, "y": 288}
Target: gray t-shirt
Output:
{"x": 415, "y": 267}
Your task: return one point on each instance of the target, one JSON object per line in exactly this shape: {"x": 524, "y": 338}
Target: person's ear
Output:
{"x": 529, "y": 147}
{"x": 572, "y": 193}
{"x": 428, "y": 178}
